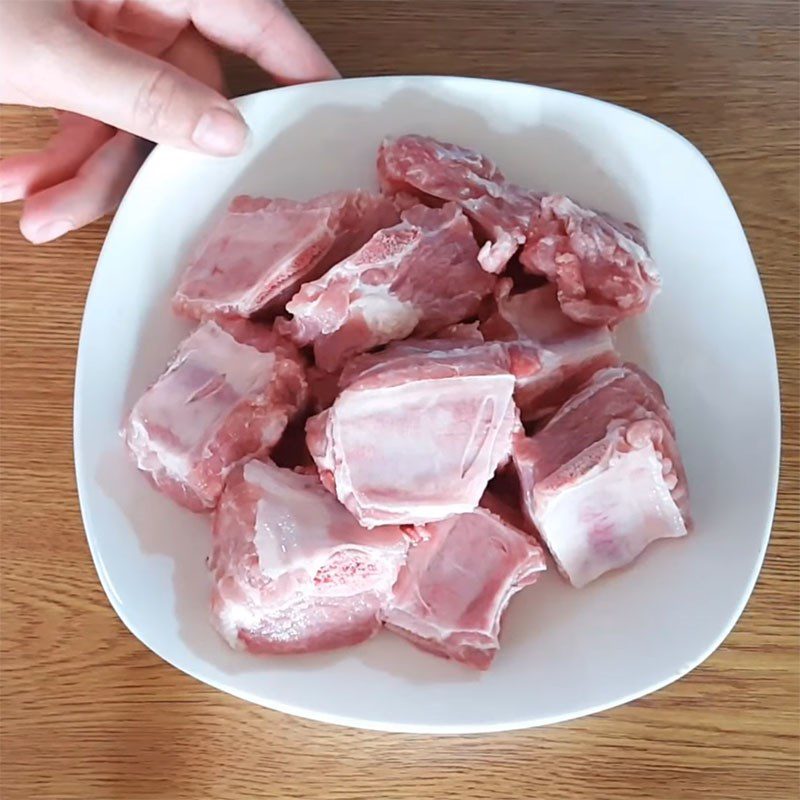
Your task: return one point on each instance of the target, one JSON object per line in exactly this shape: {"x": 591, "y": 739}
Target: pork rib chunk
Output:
{"x": 551, "y": 355}
{"x": 262, "y": 249}
{"x": 600, "y": 266}
{"x": 415, "y": 437}
{"x": 227, "y": 396}
{"x": 441, "y": 171}
{"x": 417, "y": 276}
{"x": 293, "y": 571}
{"x": 603, "y": 479}
{"x": 459, "y": 578}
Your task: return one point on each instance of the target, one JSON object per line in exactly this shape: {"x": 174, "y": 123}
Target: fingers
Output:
{"x": 267, "y": 32}
{"x": 94, "y": 192}
{"x": 78, "y": 137}
{"x": 73, "y": 67}
{"x": 85, "y": 170}
{"x": 100, "y": 78}
{"x": 196, "y": 57}
{"x": 101, "y": 181}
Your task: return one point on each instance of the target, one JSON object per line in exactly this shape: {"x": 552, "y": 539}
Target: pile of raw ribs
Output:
{"x": 393, "y": 401}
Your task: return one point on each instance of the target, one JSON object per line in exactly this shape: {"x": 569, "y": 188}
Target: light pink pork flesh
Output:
{"x": 603, "y": 479}
{"x": 453, "y": 342}
{"x": 600, "y": 266}
{"x": 435, "y": 170}
{"x": 293, "y": 572}
{"x": 262, "y": 249}
{"x": 550, "y": 354}
{"x": 417, "y": 276}
{"x": 415, "y": 437}
{"x": 221, "y": 401}
{"x": 458, "y": 580}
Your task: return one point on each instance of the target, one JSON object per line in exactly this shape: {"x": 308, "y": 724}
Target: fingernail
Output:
{"x": 49, "y": 231}
{"x": 220, "y": 132}
{"x": 9, "y": 192}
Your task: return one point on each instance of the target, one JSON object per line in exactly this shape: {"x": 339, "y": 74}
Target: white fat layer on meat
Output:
{"x": 230, "y": 618}
{"x": 383, "y": 311}
{"x": 300, "y": 527}
{"x": 608, "y": 516}
{"x": 152, "y": 456}
{"x": 493, "y": 256}
{"x": 385, "y": 314}
{"x": 189, "y": 399}
{"x": 414, "y": 464}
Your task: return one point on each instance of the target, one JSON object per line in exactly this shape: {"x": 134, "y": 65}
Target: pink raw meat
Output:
{"x": 415, "y": 437}
{"x": 462, "y": 331}
{"x": 322, "y": 388}
{"x": 262, "y": 249}
{"x": 418, "y": 276}
{"x": 600, "y": 266}
{"x": 293, "y": 571}
{"x": 616, "y": 393}
{"x": 454, "y": 341}
{"x": 429, "y": 168}
{"x": 450, "y": 597}
{"x": 219, "y": 402}
{"x": 551, "y": 355}
{"x": 603, "y": 479}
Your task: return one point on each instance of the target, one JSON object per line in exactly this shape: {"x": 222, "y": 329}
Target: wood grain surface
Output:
{"x": 88, "y": 712}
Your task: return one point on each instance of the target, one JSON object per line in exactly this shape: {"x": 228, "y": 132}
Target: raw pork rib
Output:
{"x": 452, "y": 342}
{"x": 260, "y": 252}
{"x": 220, "y": 402}
{"x": 417, "y": 276}
{"x": 601, "y": 266}
{"x": 457, "y": 582}
{"x": 293, "y": 571}
{"x": 416, "y": 437}
{"x": 428, "y": 168}
{"x": 603, "y": 479}
{"x": 551, "y": 356}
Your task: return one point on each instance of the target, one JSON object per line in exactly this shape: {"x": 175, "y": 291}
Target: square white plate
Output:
{"x": 707, "y": 339}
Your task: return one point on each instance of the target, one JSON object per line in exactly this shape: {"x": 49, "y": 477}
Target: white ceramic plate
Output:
{"x": 565, "y": 652}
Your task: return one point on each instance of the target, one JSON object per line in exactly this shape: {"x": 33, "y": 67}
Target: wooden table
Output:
{"x": 88, "y": 712}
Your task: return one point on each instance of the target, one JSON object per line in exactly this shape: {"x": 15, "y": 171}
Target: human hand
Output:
{"x": 118, "y": 70}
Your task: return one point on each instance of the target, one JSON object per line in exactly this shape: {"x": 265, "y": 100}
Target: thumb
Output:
{"x": 100, "y": 78}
